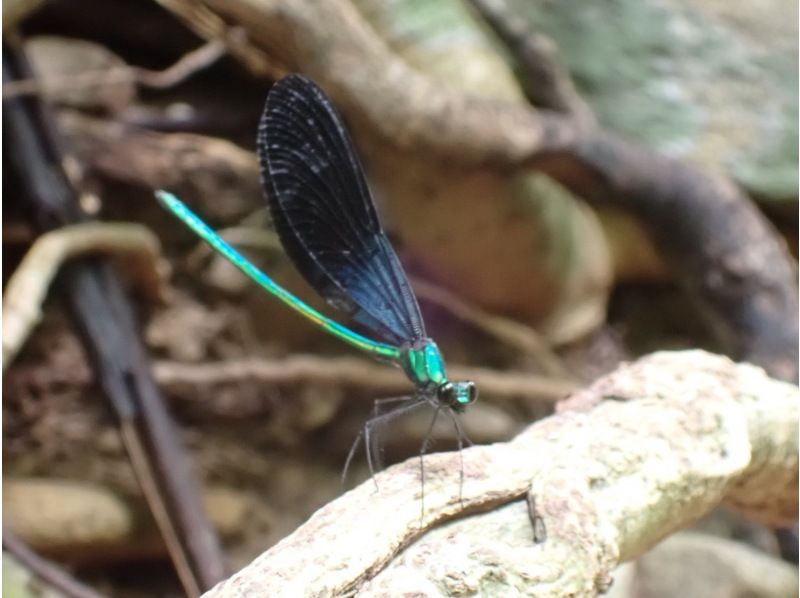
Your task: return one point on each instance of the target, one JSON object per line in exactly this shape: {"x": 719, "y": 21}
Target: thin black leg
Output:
{"x": 379, "y": 420}
{"x": 422, "y": 451}
{"x": 460, "y": 436}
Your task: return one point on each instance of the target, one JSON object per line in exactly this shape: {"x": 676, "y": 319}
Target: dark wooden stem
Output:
{"x": 723, "y": 250}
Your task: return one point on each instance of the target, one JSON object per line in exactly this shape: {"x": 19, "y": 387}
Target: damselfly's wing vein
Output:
{"x": 324, "y": 215}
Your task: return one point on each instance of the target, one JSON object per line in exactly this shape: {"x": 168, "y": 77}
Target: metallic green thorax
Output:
{"x": 424, "y": 365}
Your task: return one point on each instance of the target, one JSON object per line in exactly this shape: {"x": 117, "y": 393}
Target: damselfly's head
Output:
{"x": 457, "y": 395}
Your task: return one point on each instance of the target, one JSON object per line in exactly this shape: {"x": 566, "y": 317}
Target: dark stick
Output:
{"x": 724, "y": 251}
{"x": 46, "y": 570}
{"x": 110, "y": 336}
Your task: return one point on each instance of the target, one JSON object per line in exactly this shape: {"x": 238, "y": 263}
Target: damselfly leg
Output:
{"x": 461, "y": 436}
{"x": 422, "y": 450}
{"x": 380, "y": 418}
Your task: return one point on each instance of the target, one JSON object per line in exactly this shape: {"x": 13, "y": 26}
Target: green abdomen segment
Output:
{"x": 179, "y": 209}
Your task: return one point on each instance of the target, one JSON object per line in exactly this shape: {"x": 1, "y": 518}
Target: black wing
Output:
{"x": 324, "y": 215}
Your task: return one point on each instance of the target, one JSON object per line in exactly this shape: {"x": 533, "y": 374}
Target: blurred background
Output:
{"x": 569, "y": 185}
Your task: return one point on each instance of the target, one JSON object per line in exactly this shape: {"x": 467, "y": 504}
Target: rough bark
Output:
{"x": 636, "y": 456}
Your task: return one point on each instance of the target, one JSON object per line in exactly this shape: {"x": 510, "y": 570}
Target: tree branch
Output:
{"x": 183, "y": 162}
{"x": 723, "y": 249}
{"x": 640, "y": 454}
{"x": 56, "y": 85}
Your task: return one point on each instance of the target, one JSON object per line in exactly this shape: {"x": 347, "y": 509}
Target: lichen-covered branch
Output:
{"x": 638, "y": 455}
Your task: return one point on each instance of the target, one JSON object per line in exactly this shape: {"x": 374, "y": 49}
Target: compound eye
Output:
{"x": 447, "y": 393}
{"x": 472, "y": 392}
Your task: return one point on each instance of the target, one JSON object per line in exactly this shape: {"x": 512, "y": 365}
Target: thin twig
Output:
{"x": 170, "y": 532}
{"x": 46, "y": 570}
{"x": 355, "y": 373}
{"x": 366, "y": 376}
{"x": 189, "y": 64}
{"x": 209, "y": 25}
